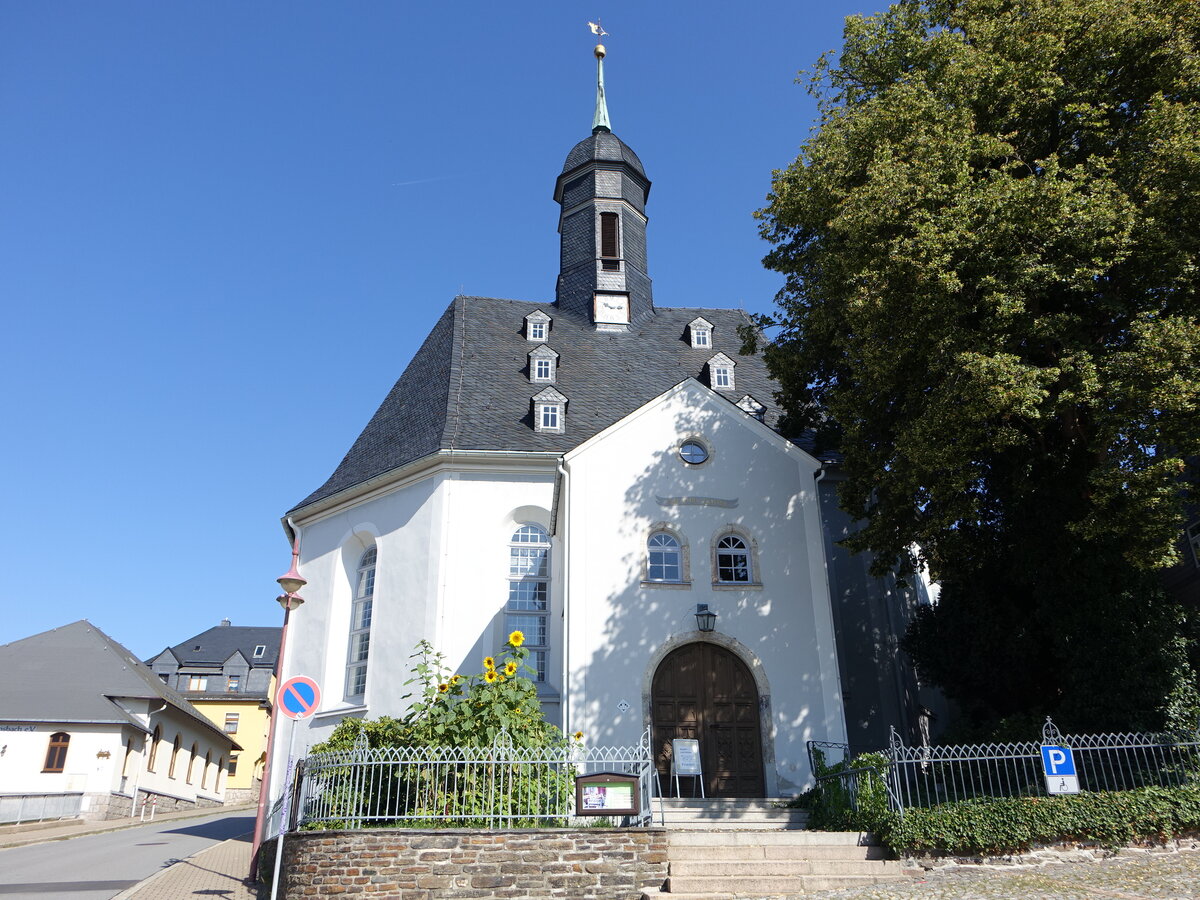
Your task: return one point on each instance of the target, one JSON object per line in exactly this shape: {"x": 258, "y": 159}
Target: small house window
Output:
{"x": 155, "y": 739}
{"x": 664, "y": 559}
{"x": 233, "y": 764}
{"x": 537, "y": 326}
{"x": 733, "y": 560}
{"x": 693, "y": 452}
{"x": 610, "y": 242}
{"x": 720, "y": 372}
{"x": 753, "y": 407}
{"x": 549, "y": 411}
{"x": 231, "y": 722}
{"x": 197, "y": 682}
{"x": 174, "y": 756}
{"x": 260, "y": 650}
{"x": 56, "y": 752}
{"x": 543, "y": 364}
{"x": 234, "y": 684}
{"x": 701, "y": 330}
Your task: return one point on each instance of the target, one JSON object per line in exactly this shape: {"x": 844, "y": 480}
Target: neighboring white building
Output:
{"x": 82, "y": 719}
{"x": 593, "y": 472}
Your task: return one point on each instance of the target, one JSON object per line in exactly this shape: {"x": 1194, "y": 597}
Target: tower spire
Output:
{"x": 600, "y": 119}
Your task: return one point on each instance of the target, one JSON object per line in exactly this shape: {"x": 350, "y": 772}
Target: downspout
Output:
{"x": 564, "y": 495}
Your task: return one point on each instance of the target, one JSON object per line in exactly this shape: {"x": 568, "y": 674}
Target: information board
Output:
{"x": 607, "y": 794}
{"x": 685, "y": 757}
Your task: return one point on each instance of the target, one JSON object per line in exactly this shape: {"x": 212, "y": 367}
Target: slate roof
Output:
{"x": 604, "y": 146}
{"x": 213, "y": 647}
{"x": 468, "y": 386}
{"x": 71, "y": 674}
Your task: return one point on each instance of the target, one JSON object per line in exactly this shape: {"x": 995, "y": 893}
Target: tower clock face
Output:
{"x": 612, "y": 309}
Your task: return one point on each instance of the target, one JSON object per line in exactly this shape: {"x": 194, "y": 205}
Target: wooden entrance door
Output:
{"x": 704, "y": 691}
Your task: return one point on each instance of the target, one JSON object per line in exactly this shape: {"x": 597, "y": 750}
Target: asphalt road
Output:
{"x": 100, "y": 866}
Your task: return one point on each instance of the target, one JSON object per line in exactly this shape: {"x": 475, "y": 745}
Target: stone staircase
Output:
{"x": 742, "y": 849}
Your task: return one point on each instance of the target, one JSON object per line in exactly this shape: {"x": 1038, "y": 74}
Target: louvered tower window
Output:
{"x": 610, "y": 243}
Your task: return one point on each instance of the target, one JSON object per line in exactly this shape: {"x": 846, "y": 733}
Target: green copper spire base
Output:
{"x": 600, "y": 119}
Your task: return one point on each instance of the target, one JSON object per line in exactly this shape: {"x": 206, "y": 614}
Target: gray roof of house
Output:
{"x": 73, "y": 674}
{"x": 213, "y": 647}
{"x": 468, "y": 387}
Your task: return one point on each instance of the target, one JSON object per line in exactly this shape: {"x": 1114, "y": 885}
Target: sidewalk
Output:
{"x": 216, "y": 871}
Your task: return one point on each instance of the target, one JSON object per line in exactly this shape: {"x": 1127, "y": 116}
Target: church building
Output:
{"x": 604, "y": 474}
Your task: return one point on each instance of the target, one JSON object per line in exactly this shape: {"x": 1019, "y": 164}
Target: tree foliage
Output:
{"x": 991, "y": 310}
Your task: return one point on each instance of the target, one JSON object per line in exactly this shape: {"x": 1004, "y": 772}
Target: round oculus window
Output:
{"x": 693, "y": 452}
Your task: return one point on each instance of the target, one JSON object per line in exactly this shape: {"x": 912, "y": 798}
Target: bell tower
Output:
{"x": 602, "y": 190}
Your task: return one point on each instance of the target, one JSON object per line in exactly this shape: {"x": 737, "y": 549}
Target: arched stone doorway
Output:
{"x": 704, "y": 691}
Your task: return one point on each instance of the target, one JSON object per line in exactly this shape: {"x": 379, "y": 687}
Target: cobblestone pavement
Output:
{"x": 218, "y": 871}
{"x": 1129, "y": 875}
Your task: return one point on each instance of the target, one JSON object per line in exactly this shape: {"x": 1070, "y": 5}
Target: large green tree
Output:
{"x": 992, "y": 310}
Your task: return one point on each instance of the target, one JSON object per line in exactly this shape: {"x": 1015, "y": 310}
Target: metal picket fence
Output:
{"x": 499, "y": 786}
{"x": 926, "y": 776}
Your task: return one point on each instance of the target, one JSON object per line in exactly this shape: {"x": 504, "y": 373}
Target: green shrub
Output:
{"x": 452, "y": 710}
{"x": 1011, "y": 825}
{"x": 839, "y": 804}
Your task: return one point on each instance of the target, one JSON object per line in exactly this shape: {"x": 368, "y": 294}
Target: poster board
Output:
{"x": 607, "y": 794}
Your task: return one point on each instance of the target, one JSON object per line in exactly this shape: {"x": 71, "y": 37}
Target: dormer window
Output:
{"x": 537, "y": 326}
{"x": 543, "y": 364}
{"x": 701, "y": 333}
{"x": 610, "y": 242}
{"x": 549, "y": 411}
{"x": 752, "y": 406}
{"x": 720, "y": 373}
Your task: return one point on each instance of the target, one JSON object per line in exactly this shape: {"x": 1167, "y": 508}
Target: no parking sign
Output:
{"x": 298, "y": 697}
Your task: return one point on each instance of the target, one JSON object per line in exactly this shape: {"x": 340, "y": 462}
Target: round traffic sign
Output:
{"x": 298, "y": 697}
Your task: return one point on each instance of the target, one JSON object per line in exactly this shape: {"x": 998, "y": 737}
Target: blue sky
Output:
{"x": 226, "y": 226}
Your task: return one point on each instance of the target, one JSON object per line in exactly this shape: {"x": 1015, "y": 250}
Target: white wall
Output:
{"x": 630, "y": 478}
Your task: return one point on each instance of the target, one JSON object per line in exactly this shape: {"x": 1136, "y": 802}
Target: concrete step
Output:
{"x": 770, "y": 885}
{"x": 754, "y": 852}
{"x": 730, "y": 813}
{"x": 755, "y": 868}
{"x": 771, "y": 839}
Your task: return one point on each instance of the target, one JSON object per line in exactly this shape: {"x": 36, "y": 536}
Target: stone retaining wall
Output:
{"x": 585, "y": 864}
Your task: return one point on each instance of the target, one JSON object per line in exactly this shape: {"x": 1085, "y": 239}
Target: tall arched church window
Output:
{"x": 528, "y": 607}
{"x": 360, "y": 626}
{"x": 664, "y": 559}
{"x": 733, "y": 560}
{"x": 155, "y": 739}
{"x": 56, "y": 752}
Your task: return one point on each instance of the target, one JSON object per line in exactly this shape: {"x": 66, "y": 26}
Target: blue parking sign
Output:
{"x": 1058, "y": 763}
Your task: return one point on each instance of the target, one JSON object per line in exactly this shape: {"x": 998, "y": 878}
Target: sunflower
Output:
{"x": 489, "y": 663}
{"x": 516, "y": 639}
{"x": 578, "y": 735}
{"x": 510, "y": 668}
{"x": 455, "y": 679}
{"x": 443, "y": 687}
{"x": 490, "y": 675}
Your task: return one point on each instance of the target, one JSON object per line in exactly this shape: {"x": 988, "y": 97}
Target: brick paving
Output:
{"x": 218, "y": 871}
{"x": 1128, "y": 875}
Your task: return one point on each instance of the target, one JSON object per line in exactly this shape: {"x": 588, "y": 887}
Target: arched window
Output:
{"x": 204, "y": 771}
{"x": 56, "y": 752}
{"x": 154, "y": 741}
{"x": 360, "y": 626}
{"x": 664, "y": 560}
{"x": 733, "y": 560}
{"x": 191, "y": 764}
{"x": 528, "y": 607}
{"x": 217, "y": 776}
{"x": 174, "y": 756}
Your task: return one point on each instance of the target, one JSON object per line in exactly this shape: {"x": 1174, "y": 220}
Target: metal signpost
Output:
{"x": 1059, "y": 765}
{"x": 297, "y": 698}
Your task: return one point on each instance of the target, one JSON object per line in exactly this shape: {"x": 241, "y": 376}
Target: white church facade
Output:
{"x": 594, "y": 472}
